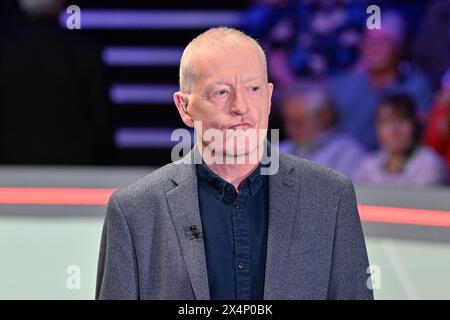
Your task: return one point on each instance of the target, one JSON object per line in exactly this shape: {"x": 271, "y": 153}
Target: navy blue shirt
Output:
{"x": 235, "y": 234}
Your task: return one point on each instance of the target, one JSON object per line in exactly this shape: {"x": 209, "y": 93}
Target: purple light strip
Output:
{"x": 141, "y": 56}
{"x": 145, "y": 138}
{"x": 154, "y": 19}
{"x": 142, "y": 93}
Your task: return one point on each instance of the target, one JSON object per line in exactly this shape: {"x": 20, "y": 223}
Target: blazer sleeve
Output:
{"x": 117, "y": 271}
{"x": 349, "y": 277}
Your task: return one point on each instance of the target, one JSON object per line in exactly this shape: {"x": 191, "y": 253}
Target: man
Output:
{"x": 380, "y": 73}
{"x": 221, "y": 230}
{"x": 310, "y": 121}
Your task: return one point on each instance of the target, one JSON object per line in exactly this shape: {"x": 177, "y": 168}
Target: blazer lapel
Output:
{"x": 184, "y": 208}
{"x": 281, "y": 222}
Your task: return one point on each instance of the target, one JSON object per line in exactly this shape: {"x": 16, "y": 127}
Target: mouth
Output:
{"x": 241, "y": 125}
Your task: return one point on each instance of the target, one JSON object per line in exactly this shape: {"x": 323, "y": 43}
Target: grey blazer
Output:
{"x": 315, "y": 245}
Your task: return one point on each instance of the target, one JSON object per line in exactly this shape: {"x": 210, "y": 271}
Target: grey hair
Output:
{"x": 315, "y": 94}
{"x": 218, "y": 37}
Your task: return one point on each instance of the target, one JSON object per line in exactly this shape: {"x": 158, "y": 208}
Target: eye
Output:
{"x": 221, "y": 92}
{"x": 255, "y": 89}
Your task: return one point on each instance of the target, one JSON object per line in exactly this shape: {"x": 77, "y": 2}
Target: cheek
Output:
{"x": 205, "y": 113}
{"x": 263, "y": 117}
{"x": 407, "y": 134}
{"x": 385, "y": 134}
{"x": 261, "y": 109}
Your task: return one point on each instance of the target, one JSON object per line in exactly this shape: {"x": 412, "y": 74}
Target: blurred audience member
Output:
{"x": 306, "y": 38}
{"x": 379, "y": 73}
{"x": 402, "y": 160}
{"x": 437, "y": 133}
{"x": 53, "y": 98}
{"x": 310, "y": 124}
{"x": 432, "y": 48}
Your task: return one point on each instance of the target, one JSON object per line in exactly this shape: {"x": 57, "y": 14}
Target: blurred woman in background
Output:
{"x": 401, "y": 160}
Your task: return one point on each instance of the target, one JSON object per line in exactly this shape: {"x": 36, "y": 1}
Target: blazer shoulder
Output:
{"x": 313, "y": 173}
{"x": 153, "y": 183}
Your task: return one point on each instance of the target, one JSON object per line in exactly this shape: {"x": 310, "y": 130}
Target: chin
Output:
{"x": 244, "y": 150}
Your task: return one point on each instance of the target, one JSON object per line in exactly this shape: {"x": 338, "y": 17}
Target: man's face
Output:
{"x": 230, "y": 94}
{"x": 299, "y": 123}
{"x": 379, "y": 50}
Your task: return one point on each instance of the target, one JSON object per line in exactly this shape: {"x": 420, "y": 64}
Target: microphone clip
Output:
{"x": 194, "y": 234}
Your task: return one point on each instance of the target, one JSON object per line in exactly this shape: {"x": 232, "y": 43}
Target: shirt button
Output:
{"x": 228, "y": 189}
{"x": 241, "y": 265}
{"x": 236, "y": 205}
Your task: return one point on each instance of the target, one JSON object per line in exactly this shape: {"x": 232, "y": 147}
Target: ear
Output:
{"x": 182, "y": 103}
{"x": 270, "y": 91}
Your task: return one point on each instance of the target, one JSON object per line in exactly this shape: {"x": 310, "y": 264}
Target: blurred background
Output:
{"x": 84, "y": 111}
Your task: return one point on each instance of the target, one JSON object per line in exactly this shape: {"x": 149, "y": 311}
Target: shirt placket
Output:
{"x": 242, "y": 245}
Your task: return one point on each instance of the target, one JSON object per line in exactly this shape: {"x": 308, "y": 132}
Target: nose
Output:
{"x": 239, "y": 105}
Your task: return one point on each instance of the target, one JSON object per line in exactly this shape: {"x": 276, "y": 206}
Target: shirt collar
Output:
{"x": 253, "y": 182}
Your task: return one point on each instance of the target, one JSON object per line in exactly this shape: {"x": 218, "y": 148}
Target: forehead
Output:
{"x": 387, "y": 110}
{"x": 221, "y": 63}
{"x": 294, "y": 104}
{"x": 375, "y": 36}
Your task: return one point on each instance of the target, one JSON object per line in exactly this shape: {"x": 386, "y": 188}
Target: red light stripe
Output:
{"x": 56, "y": 196}
{"x": 97, "y": 196}
{"x": 436, "y": 218}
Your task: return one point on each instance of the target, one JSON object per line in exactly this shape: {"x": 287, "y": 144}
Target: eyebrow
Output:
{"x": 218, "y": 82}
{"x": 229, "y": 84}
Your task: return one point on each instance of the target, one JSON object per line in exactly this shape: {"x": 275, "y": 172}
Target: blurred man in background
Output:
{"x": 310, "y": 123}
{"x": 357, "y": 93}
